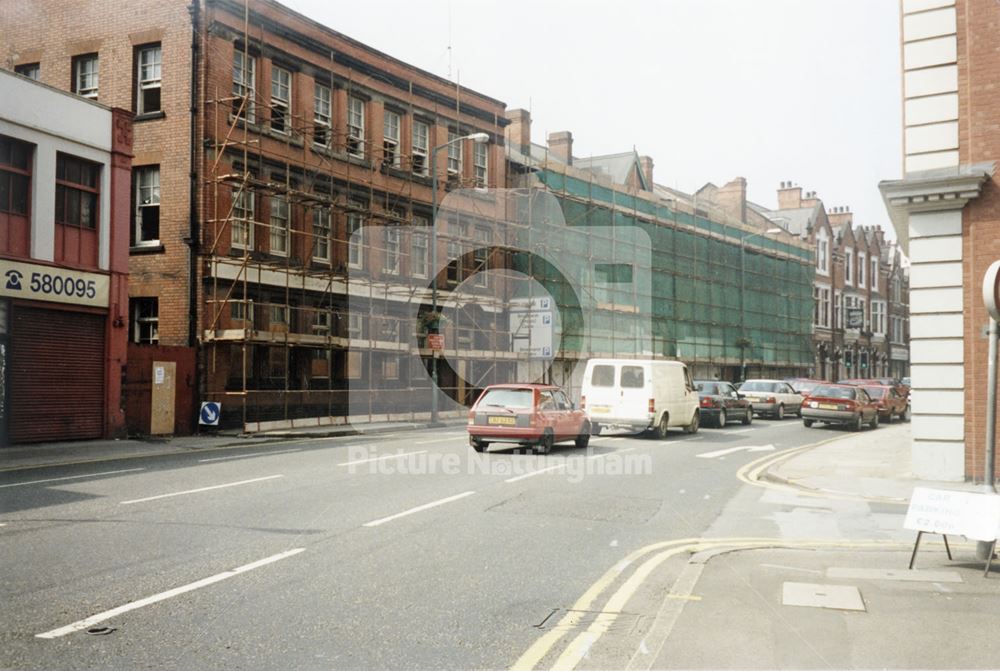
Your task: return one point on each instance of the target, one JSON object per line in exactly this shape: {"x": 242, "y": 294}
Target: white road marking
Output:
{"x": 730, "y": 450}
{"x": 382, "y": 458}
{"x": 614, "y": 543}
{"x": 739, "y": 431}
{"x": 432, "y": 504}
{"x": 785, "y": 425}
{"x": 201, "y": 489}
{"x": 611, "y": 440}
{"x": 3, "y": 524}
{"x": 108, "y": 614}
{"x": 247, "y": 456}
{"x": 608, "y": 454}
{"x": 71, "y": 477}
{"x": 439, "y": 439}
{"x": 533, "y": 473}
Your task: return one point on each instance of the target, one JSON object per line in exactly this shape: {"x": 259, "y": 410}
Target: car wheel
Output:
{"x": 749, "y": 416}
{"x": 662, "y": 427}
{"x": 583, "y": 439}
{"x": 874, "y": 423}
{"x": 545, "y": 443}
{"x": 807, "y": 423}
{"x": 693, "y": 426}
{"x": 722, "y": 419}
{"x": 780, "y": 414}
{"x": 478, "y": 445}
{"x": 856, "y": 424}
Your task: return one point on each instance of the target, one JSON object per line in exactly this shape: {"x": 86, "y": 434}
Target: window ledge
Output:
{"x": 158, "y": 248}
{"x": 149, "y": 116}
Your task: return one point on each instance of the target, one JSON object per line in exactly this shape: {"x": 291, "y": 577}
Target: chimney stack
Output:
{"x": 561, "y": 145}
{"x": 733, "y": 198}
{"x": 646, "y": 163}
{"x": 517, "y": 134}
{"x": 789, "y": 196}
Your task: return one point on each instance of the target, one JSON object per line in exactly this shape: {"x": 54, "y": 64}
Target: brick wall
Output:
{"x": 979, "y": 128}
{"x": 51, "y": 33}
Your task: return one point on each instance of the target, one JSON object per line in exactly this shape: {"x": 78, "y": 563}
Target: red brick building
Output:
{"x": 263, "y": 140}
{"x": 65, "y": 166}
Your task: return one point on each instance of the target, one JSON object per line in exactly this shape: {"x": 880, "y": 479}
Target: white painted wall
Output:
{"x": 56, "y": 121}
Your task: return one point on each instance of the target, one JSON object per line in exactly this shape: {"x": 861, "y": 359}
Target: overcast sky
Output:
{"x": 771, "y": 90}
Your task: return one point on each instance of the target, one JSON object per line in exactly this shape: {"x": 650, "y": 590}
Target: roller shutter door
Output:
{"x": 56, "y": 376}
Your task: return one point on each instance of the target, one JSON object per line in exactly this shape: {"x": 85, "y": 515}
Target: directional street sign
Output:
{"x": 210, "y": 412}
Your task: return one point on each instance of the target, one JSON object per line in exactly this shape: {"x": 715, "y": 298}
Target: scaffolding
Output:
{"x": 314, "y": 311}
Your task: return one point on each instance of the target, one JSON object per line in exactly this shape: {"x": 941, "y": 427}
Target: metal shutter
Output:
{"x": 56, "y": 375}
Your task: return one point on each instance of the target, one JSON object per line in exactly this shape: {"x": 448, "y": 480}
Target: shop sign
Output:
{"x": 49, "y": 283}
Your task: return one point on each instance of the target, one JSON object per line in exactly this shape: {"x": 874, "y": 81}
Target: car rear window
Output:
{"x": 633, "y": 377}
{"x": 875, "y": 392}
{"x": 507, "y": 398}
{"x": 834, "y": 392}
{"x": 759, "y": 386}
{"x": 707, "y": 387}
{"x": 603, "y": 376}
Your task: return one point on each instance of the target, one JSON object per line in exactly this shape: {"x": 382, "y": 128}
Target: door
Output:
{"x": 601, "y": 392}
{"x": 633, "y": 397}
{"x": 56, "y": 375}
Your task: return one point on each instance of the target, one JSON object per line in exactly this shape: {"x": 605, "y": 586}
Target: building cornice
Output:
{"x": 936, "y": 190}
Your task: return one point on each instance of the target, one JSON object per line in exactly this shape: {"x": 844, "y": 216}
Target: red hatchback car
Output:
{"x": 840, "y": 404}
{"x": 526, "y": 414}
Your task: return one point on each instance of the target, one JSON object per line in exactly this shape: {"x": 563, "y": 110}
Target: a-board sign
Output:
{"x": 991, "y": 290}
{"x": 941, "y": 511}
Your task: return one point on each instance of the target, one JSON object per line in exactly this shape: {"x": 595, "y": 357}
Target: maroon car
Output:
{"x": 891, "y": 404}
{"x": 840, "y": 404}
{"x": 539, "y": 415}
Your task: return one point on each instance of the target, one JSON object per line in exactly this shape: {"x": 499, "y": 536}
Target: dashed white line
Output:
{"x": 533, "y": 473}
{"x": 426, "y": 506}
{"x": 247, "y": 456}
{"x": 383, "y": 457}
{"x": 608, "y": 454}
{"x": 439, "y": 439}
{"x": 108, "y": 614}
{"x": 71, "y": 477}
{"x": 201, "y": 489}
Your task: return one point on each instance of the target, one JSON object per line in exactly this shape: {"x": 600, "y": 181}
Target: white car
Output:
{"x": 775, "y": 398}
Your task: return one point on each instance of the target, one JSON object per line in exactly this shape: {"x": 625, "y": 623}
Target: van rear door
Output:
{"x": 602, "y": 394}
{"x": 633, "y": 397}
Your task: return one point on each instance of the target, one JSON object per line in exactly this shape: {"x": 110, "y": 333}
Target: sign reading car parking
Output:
{"x": 991, "y": 290}
{"x": 210, "y": 412}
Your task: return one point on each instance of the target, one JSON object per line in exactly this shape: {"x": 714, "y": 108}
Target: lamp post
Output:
{"x": 478, "y": 138}
{"x": 743, "y": 337}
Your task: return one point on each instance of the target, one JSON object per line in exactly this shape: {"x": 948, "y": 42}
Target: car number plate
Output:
{"x": 827, "y": 406}
{"x": 601, "y": 409}
{"x": 497, "y": 419}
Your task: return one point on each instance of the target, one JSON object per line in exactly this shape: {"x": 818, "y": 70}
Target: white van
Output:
{"x": 640, "y": 394}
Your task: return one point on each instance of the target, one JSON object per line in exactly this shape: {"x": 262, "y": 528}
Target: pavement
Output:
{"x": 805, "y": 568}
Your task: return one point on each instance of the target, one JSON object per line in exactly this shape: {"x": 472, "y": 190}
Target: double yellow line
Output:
{"x": 578, "y": 647}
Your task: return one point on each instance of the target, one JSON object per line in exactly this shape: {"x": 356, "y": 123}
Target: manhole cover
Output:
{"x": 837, "y": 597}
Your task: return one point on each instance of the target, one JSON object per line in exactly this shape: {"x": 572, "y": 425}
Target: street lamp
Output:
{"x": 477, "y": 138}
{"x": 743, "y": 337}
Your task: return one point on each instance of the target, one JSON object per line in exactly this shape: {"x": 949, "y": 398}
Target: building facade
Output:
{"x": 281, "y": 204}
{"x": 65, "y": 171}
{"x": 695, "y": 277}
{"x": 860, "y": 318}
{"x": 946, "y": 211}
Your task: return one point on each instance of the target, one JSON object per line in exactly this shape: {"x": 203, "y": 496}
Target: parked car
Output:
{"x": 719, "y": 402}
{"x": 803, "y": 385}
{"x": 901, "y": 389}
{"x": 639, "y": 394}
{"x": 890, "y": 402}
{"x": 538, "y": 415}
{"x": 772, "y": 397}
{"x": 840, "y": 404}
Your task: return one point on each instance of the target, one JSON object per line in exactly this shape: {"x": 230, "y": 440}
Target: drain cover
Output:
{"x": 100, "y": 631}
{"x": 837, "y": 597}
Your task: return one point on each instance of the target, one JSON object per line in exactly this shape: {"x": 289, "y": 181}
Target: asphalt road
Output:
{"x": 398, "y": 551}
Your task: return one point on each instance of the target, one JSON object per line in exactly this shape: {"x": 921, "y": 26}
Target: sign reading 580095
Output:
{"x": 47, "y": 283}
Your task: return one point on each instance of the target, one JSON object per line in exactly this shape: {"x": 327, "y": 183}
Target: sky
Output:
{"x": 770, "y": 90}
